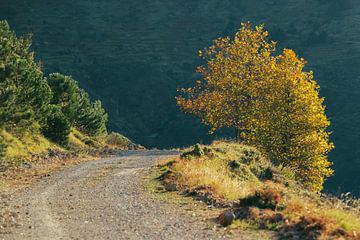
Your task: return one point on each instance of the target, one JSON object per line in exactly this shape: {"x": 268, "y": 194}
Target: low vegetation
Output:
{"x": 116, "y": 139}
{"x": 259, "y": 194}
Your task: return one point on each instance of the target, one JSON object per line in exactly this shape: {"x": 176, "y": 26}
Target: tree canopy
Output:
{"x": 269, "y": 99}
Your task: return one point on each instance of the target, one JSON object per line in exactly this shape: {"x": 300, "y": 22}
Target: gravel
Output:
{"x": 103, "y": 199}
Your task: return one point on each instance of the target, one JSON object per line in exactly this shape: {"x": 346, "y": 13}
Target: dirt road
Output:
{"x": 103, "y": 199}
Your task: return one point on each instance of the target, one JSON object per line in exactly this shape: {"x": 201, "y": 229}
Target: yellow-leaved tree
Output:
{"x": 270, "y": 100}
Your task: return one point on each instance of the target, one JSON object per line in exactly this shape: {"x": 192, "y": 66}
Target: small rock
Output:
{"x": 160, "y": 188}
{"x": 27, "y": 165}
{"x": 170, "y": 186}
{"x": 277, "y": 217}
{"x": 226, "y": 218}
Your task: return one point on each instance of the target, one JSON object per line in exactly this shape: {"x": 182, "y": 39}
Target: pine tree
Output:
{"x": 75, "y": 104}
{"x": 65, "y": 94}
{"x": 92, "y": 118}
{"x": 56, "y": 126}
{"x": 98, "y": 125}
{"x": 24, "y": 92}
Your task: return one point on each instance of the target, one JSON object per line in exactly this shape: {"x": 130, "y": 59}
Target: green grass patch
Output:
{"x": 343, "y": 219}
{"x": 26, "y": 144}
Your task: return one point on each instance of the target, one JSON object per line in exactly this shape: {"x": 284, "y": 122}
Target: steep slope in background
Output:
{"x": 133, "y": 54}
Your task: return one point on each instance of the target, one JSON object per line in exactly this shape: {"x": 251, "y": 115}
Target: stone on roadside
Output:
{"x": 170, "y": 186}
{"x": 226, "y": 218}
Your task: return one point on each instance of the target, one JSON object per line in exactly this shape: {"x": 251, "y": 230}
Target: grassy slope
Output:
{"x": 270, "y": 196}
{"x": 26, "y": 144}
{"x": 155, "y": 189}
{"x": 30, "y": 156}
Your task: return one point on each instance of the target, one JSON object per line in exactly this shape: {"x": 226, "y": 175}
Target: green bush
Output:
{"x": 2, "y": 147}
{"x": 56, "y": 127}
{"x": 264, "y": 198}
{"x": 3, "y": 165}
{"x": 116, "y": 139}
{"x": 251, "y": 165}
{"x": 196, "y": 152}
{"x": 242, "y": 171}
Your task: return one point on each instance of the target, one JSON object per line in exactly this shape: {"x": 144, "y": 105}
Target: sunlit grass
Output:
{"x": 214, "y": 171}
{"x": 214, "y": 174}
{"x": 343, "y": 219}
{"x": 297, "y": 204}
{"x": 117, "y": 140}
{"x": 244, "y": 224}
{"x": 26, "y": 145}
{"x": 75, "y": 139}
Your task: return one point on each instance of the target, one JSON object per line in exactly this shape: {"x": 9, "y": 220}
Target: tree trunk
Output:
{"x": 236, "y": 134}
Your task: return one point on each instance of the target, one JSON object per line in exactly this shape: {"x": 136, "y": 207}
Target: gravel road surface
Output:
{"x": 103, "y": 199}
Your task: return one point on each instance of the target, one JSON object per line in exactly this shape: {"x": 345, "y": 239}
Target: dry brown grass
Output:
{"x": 212, "y": 170}
{"x": 211, "y": 173}
{"x": 230, "y": 171}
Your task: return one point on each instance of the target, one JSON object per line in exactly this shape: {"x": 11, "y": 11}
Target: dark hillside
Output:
{"x": 133, "y": 54}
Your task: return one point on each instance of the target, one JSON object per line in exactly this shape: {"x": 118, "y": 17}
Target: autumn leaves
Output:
{"x": 269, "y": 99}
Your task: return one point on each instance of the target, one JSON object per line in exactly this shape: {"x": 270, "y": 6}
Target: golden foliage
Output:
{"x": 270, "y": 100}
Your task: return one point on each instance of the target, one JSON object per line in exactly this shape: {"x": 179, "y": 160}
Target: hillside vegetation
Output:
{"x": 272, "y": 103}
{"x": 259, "y": 194}
{"x": 44, "y": 115}
{"x": 269, "y": 99}
{"x": 133, "y": 54}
